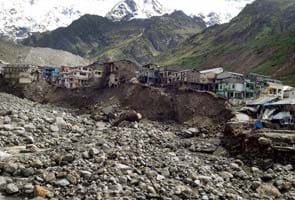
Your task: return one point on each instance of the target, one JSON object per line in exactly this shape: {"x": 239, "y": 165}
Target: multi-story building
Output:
{"x": 234, "y": 86}
{"x": 20, "y": 73}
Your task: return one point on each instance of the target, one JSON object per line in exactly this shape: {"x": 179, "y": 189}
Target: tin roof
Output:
{"x": 288, "y": 101}
{"x": 262, "y": 101}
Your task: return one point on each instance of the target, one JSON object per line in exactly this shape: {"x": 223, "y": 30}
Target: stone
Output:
{"x": 60, "y": 122}
{"x": 40, "y": 191}
{"x": 54, "y": 128}
{"x": 4, "y": 155}
{"x": 27, "y": 172}
{"x": 30, "y": 127}
{"x": 29, "y": 140}
{"x": 226, "y": 175}
{"x": 7, "y": 120}
{"x": 101, "y": 126}
{"x": 194, "y": 130}
{"x": 11, "y": 188}
{"x": 85, "y": 174}
{"x": 36, "y": 163}
{"x": 3, "y": 180}
{"x": 264, "y": 141}
{"x": 93, "y": 151}
{"x": 10, "y": 167}
{"x": 31, "y": 148}
{"x": 68, "y": 158}
{"x": 49, "y": 177}
{"x": 268, "y": 189}
{"x": 62, "y": 182}
{"x": 73, "y": 179}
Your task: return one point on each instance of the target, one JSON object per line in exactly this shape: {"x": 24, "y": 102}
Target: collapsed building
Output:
{"x": 21, "y": 73}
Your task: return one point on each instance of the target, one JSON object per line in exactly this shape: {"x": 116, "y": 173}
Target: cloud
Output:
{"x": 226, "y": 8}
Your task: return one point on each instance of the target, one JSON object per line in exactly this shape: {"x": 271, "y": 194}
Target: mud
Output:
{"x": 183, "y": 106}
{"x": 191, "y": 107}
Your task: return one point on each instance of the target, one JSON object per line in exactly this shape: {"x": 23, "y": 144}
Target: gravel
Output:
{"x": 71, "y": 156}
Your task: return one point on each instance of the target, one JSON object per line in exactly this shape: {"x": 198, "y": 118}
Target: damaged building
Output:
{"x": 81, "y": 76}
{"x": 234, "y": 86}
{"x": 119, "y": 72}
{"x": 21, "y": 73}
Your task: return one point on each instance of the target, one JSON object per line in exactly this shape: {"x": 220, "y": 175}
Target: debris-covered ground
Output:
{"x": 49, "y": 152}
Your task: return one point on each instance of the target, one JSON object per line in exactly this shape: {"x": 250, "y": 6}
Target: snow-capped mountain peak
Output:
{"x": 19, "y": 18}
{"x": 128, "y": 9}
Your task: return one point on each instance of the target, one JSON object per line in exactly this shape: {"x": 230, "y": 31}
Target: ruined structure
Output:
{"x": 119, "y": 72}
{"x": 19, "y": 73}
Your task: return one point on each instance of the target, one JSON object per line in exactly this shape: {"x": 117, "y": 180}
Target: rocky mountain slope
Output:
{"x": 20, "y": 18}
{"x": 129, "y": 9}
{"x": 260, "y": 39}
{"x": 139, "y": 39}
{"x": 12, "y": 53}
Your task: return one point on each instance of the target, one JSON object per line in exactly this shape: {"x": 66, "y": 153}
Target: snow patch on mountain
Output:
{"x": 129, "y": 9}
{"x": 19, "y": 18}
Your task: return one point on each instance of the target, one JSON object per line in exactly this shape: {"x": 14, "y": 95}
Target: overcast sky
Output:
{"x": 231, "y": 7}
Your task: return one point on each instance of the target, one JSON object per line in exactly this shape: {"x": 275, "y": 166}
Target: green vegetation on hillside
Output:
{"x": 260, "y": 39}
{"x": 96, "y": 37}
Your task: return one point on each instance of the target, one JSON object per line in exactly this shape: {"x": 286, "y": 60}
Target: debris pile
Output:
{"x": 48, "y": 152}
{"x": 191, "y": 107}
{"x": 266, "y": 145}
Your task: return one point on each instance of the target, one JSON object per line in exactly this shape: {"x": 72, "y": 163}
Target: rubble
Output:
{"x": 148, "y": 161}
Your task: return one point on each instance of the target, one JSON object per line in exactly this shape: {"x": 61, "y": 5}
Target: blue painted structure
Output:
{"x": 50, "y": 73}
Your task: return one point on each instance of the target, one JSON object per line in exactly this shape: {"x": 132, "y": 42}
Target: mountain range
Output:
{"x": 140, "y": 40}
{"x": 260, "y": 39}
{"x": 20, "y": 18}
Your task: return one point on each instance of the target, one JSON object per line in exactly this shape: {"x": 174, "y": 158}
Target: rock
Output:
{"x": 11, "y": 188}
{"x": 7, "y": 120}
{"x": 30, "y": 127}
{"x": 62, "y": 182}
{"x": 4, "y": 155}
{"x": 68, "y": 158}
{"x": 10, "y": 167}
{"x": 60, "y": 122}
{"x": 36, "y": 163}
{"x": 85, "y": 174}
{"x": 31, "y": 148}
{"x": 54, "y": 128}
{"x": 268, "y": 190}
{"x": 265, "y": 141}
{"x": 226, "y": 175}
{"x": 40, "y": 191}
{"x": 28, "y": 188}
{"x": 93, "y": 151}
{"x": 73, "y": 179}
{"x": 181, "y": 188}
{"x": 3, "y": 180}
{"x": 194, "y": 130}
{"x": 27, "y": 172}
{"x": 49, "y": 177}
{"x": 122, "y": 166}
{"x": 29, "y": 140}
{"x": 101, "y": 126}
{"x": 7, "y": 127}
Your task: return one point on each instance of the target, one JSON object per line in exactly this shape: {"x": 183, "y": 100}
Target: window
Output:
{"x": 233, "y": 86}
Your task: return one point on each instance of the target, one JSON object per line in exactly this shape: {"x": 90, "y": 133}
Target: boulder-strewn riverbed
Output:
{"x": 48, "y": 152}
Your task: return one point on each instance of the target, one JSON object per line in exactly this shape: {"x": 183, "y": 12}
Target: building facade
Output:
{"x": 19, "y": 73}
{"x": 234, "y": 86}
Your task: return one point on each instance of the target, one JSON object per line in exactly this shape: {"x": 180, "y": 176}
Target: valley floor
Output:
{"x": 52, "y": 152}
